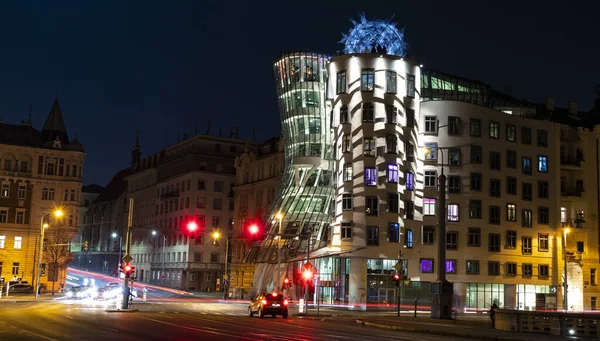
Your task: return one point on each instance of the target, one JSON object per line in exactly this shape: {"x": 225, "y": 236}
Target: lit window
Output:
{"x": 369, "y": 146}
{"x": 430, "y": 151}
{"x": 4, "y": 192}
{"x": 394, "y": 233}
{"x": 410, "y": 181}
{"x": 543, "y": 164}
{"x": 428, "y": 206}
{"x": 347, "y": 176}
{"x": 392, "y": 171}
{"x": 18, "y": 242}
{"x": 2, "y": 241}
{"x": 370, "y": 176}
{"x": 511, "y": 212}
{"x": 494, "y": 130}
{"x": 427, "y": 265}
{"x": 450, "y": 266}
{"x": 453, "y": 214}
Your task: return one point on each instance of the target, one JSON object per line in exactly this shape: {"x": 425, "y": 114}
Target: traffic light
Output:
{"x": 286, "y": 282}
{"x": 127, "y": 269}
{"x": 307, "y": 274}
{"x": 192, "y": 226}
{"x": 85, "y": 246}
{"x": 396, "y": 279}
{"x": 253, "y": 229}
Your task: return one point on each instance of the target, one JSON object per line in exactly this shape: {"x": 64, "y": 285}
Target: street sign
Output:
{"x": 398, "y": 266}
{"x": 127, "y": 258}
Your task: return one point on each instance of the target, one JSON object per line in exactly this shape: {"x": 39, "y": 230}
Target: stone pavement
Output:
{"x": 467, "y": 329}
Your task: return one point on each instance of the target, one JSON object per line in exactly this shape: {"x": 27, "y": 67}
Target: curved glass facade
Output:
{"x": 306, "y": 190}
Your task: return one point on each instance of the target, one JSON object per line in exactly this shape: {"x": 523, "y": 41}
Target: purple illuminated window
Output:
{"x": 370, "y": 176}
{"x": 450, "y": 266}
{"x": 410, "y": 181}
{"x": 426, "y": 265}
{"x": 392, "y": 173}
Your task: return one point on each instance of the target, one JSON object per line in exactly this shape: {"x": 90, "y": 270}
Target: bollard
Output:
{"x": 416, "y": 299}
{"x": 144, "y": 297}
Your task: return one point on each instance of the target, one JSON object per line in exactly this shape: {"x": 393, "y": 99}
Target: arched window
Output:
{"x": 51, "y": 194}
{"x": 45, "y": 194}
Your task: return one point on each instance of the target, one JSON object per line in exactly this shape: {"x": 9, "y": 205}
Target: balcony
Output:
{"x": 576, "y": 223}
{"x": 571, "y": 192}
{"x": 574, "y": 257}
{"x": 15, "y": 174}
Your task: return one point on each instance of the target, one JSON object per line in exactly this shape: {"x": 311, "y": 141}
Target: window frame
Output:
{"x": 341, "y": 82}
{"x": 391, "y": 82}
{"x": 367, "y": 80}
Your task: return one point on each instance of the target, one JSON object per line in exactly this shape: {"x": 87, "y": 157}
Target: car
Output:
{"x": 101, "y": 294}
{"x": 21, "y": 288}
{"x": 269, "y": 304}
{"x": 76, "y": 293}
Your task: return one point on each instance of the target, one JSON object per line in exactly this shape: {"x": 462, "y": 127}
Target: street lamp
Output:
{"x": 114, "y": 235}
{"x": 278, "y": 216}
{"x": 565, "y": 283}
{"x": 216, "y": 235}
{"x": 154, "y": 233}
{"x": 58, "y": 213}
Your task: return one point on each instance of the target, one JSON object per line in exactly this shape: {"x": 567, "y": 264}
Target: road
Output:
{"x": 65, "y": 321}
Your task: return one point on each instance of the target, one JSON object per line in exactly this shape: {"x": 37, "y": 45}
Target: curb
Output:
{"x": 439, "y": 332}
{"x": 121, "y": 311}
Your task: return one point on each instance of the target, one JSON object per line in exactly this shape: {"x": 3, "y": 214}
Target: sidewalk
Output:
{"x": 466, "y": 329}
{"x": 12, "y": 298}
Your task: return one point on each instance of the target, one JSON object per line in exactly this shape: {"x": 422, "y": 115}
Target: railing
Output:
{"x": 570, "y": 161}
{"x": 577, "y": 223}
{"x": 545, "y": 322}
{"x": 574, "y": 257}
{"x": 187, "y": 265}
{"x": 15, "y": 173}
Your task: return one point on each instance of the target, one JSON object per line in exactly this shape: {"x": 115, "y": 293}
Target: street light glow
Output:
{"x": 216, "y": 235}
{"x": 279, "y": 215}
{"x": 58, "y": 213}
{"x": 45, "y": 225}
{"x": 567, "y": 230}
{"x": 154, "y": 232}
{"x": 114, "y": 234}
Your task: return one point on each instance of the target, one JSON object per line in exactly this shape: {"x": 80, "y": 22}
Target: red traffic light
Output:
{"x": 396, "y": 277}
{"x": 192, "y": 226}
{"x": 286, "y": 281}
{"x": 253, "y": 229}
{"x": 127, "y": 268}
{"x": 307, "y": 274}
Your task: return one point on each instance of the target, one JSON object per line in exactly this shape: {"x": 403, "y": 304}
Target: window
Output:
{"x": 450, "y": 266}
{"x": 543, "y": 189}
{"x": 525, "y": 135}
{"x": 410, "y": 86}
{"x": 527, "y": 269}
{"x": 347, "y": 201}
{"x": 543, "y": 244}
{"x": 495, "y": 160}
{"x": 344, "y": 114}
{"x": 428, "y": 234}
{"x": 367, "y": 80}
{"x": 370, "y": 176}
{"x": 409, "y": 208}
{"x": 72, "y": 195}
{"x": 453, "y": 212}
{"x": 394, "y": 234}
{"x": 527, "y": 190}
{"x": 369, "y": 146}
{"x": 543, "y": 270}
{"x": 218, "y": 186}
{"x": 428, "y": 206}
{"x": 454, "y": 182}
{"x": 410, "y": 181}
{"x": 214, "y": 257}
{"x": 5, "y": 191}
{"x": 454, "y": 156}
{"x": 474, "y": 236}
{"x": 543, "y": 215}
{"x": 3, "y": 216}
{"x": 217, "y": 204}
{"x": 346, "y": 230}
{"x": 372, "y": 206}
{"x": 475, "y": 209}
{"x": 341, "y": 82}
{"x": 20, "y": 218}
{"x": 511, "y": 269}
{"x": 431, "y": 124}
{"x": 18, "y": 242}
{"x": 426, "y": 265}
{"x": 15, "y": 268}
{"x": 393, "y": 202}
{"x": 473, "y": 267}
{"x": 526, "y": 165}
{"x": 2, "y": 242}
{"x": 24, "y": 167}
{"x": 430, "y": 178}
{"x": 200, "y": 202}
{"x": 526, "y": 219}
{"x": 511, "y": 159}
{"x": 410, "y": 150}
{"x": 494, "y": 214}
{"x": 390, "y": 80}
{"x": 346, "y": 143}
{"x": 593, "y": 276}
{"x": 453, "y": 125}
{"x": 347, "y": 176}
{"x": 452, "y": 240}
{"x": 314, "y": 125}
{"x": 511, "y": 239}
{"x": 21, "y": 193}
{"x": 494, "y": 130}
{"x": 391, "y": 114}
{"x": 542, "y": 138}
{"x": 372, "y": 235}
{"x": 511, "y": 212}
{"x": 495, "y": 188}
{"x": 201, "y": 185}
{"x": 198, "y": 257}
{"x": 216, "y": 221}
{"x": 430, "y": 151}
{"x": 476, "y": 181}
{"x": 45, "y": 194}
{"x": 511, "y": 185}
{"x": 580, "y": 247}
{"x": 391, "y": 142}
{"x": 494, "y": 268}
{"x": 542, "y": 164}
{"x": 511, "y": 133}
{"x": 410, "y": 118}
{"x": 476, "y": 154}
{"x": 475, "y": 127}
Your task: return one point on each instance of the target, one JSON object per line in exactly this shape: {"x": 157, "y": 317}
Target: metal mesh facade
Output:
{"x": 306, "y": 190}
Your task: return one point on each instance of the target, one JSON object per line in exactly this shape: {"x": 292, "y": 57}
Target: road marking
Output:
{"x": 69, "y": 317}
{"x": 42, "y": 337}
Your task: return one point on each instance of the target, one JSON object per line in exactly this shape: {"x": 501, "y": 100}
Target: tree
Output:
{"x": 57, "y": 251}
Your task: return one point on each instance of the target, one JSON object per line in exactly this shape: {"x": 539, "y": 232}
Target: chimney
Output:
{"x": 550, "y": 103}
{"x": 573, "y": 107}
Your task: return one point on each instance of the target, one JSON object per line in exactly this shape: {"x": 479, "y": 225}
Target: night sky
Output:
{"x": 164, "y": 67}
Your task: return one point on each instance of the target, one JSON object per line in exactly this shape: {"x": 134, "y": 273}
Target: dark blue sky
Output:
{"x": 163, "y": 67}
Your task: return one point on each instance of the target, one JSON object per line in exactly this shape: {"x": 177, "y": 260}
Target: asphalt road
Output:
{"x": 77, "y": 320}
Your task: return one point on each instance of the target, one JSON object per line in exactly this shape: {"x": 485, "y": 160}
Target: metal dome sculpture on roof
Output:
{"x": 367, "y": 35}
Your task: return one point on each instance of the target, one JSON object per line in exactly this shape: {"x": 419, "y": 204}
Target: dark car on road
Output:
{"x": 20, "y": 288}
{"x": 269, "y": 304}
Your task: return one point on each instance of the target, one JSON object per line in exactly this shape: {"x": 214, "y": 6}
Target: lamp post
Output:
{"x": 216, "y": 235}
{"x": 154, "y": 233}
{"x": 279, "y": 217}
{"x": 565, "y": 283}
{"x": 114, "y": 235}
{"x": 57, "y": 213}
